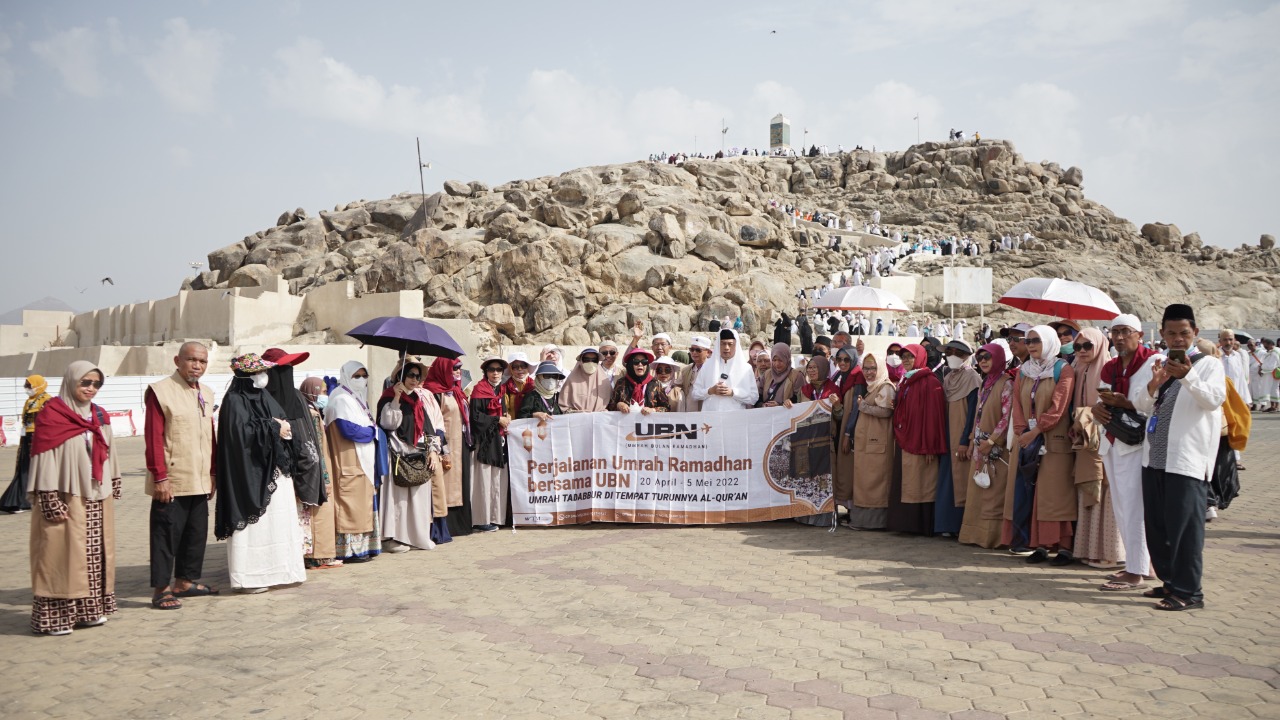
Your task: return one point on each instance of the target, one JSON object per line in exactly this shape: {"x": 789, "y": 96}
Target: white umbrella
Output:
{"x": 1061, "y": 298}
{"x": 862, "y": 298}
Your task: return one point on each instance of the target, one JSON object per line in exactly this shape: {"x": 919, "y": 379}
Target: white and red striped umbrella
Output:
{"x": 861, "y": 298}
{"x": 1066, "y": 299}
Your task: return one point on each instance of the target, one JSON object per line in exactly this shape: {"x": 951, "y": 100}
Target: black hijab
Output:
{"x": 308, "y": 475}
{"x": 250, "y": 456}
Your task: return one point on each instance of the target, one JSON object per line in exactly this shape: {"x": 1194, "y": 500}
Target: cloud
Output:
{"x": 317, "y": 85}
{"x": 185, "y": 66}
{"x": 74, "y": 54}
{"x": 885, "y": 116}
{"x": 7, "y": 74}
{"x": 179, "y": 156}
{"x": 576, "y": 123}
{"x": 1042, "y": 119}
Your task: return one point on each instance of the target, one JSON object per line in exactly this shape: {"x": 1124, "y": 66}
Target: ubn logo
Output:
{"x": 666, "y": 431}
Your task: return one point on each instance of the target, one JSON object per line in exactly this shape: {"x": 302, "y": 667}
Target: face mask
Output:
{"x": 359, "y": 386}
{"x": 260, "y": 380}
{"x": 548, "y": 385}
{"x": 322, "y": 402}
{"x": 893, "y": 361}
{"x": 31, "y": 392}
{"x": 955, "y": 363}
{"x": 590, "y": 368}
{"x": 1065, "y": 351}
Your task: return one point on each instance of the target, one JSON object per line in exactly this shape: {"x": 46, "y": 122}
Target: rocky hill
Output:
{"x": 579, "y": 256}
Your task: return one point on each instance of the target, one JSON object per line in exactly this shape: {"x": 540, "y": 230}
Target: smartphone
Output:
{"x": 1178, "y": 356}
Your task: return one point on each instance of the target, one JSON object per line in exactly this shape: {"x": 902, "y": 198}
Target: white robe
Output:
{"x": 740, "y": 377}
{"x": 1236, "y": 367}
{"x": 1269, "y": 384}
{"x": 269, "y": 552}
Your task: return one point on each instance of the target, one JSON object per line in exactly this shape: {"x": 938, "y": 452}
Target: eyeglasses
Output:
{"x": 413, "y": 376}
{"x": 493, "y": 369}
{"x": 1084, "y": 347}
{"x": 609, "y": 353}
{"x": 664, "y": 370}
{"x": 1013, "y": 340}
{"x": 95, "y": 384}
{"x": 696, "y": 349}
{"x": 639, "y": 362}
{"x": 983, "y": 357}
{"x": 1032, "y": 341}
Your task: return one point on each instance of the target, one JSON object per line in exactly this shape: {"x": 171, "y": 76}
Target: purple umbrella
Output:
{"x": 408, "y": 335}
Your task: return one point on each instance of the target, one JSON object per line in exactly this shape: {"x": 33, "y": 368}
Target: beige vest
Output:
{"x": 188, "y": 436}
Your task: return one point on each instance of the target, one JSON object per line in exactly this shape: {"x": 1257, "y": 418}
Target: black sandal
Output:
{"x": 1156, "y": 592}
{"x": 166, "y": 601}
{"x": 196, "y": 590}
{"x": 1176, "y": 604}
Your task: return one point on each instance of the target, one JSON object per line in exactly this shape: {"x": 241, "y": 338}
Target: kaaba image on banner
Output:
{"x": 799, "y": 460}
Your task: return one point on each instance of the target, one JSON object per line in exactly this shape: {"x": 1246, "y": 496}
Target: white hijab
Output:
{"x": 1049, "y": 346}
{"x": 741, "y": 377}
{"x": 343, "y": 405}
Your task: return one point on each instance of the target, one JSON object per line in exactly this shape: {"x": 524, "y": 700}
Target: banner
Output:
{"x": 673, "y": 468}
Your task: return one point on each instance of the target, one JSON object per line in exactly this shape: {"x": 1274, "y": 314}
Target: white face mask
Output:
{"x": 590, "y": 368}
{"x": 548, "y": 384}
{"x": 322, "y": 402}
{"x": 260, "y": 380}
{"x": 31, "y": 392}
{"x": 893, "y": 361}
{"x": 955, "y": 363}
{"x": 359, "y": 387}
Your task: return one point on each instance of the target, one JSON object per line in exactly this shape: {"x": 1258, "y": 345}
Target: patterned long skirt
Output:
{"x": 58, "y": 614}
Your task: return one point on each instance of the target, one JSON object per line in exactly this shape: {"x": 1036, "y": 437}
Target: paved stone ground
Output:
{"x": 774, "y": 620}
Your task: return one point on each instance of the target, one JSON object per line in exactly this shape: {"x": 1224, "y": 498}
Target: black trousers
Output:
{"x": 1174, "y": 508}
{"x": 179, "y": 531}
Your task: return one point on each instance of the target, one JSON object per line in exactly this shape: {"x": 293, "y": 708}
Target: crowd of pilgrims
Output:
{"x": 1000, "y": 445}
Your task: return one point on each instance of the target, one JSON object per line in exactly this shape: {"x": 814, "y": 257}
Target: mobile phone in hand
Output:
{"x": 1178, "y": 356}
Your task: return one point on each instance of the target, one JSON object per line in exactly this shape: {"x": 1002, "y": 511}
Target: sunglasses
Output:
{"x": 493, "y": 369}
{"x": 95, "y": 384}
{"x": 609, "y": 353}
{"x": 639, "y": 362}
{"x": 983, "y": 357}
{"x": 1032, "y": 341}
{"x": 413, "y": 376}
{"x": 1085, "y": 347}
{"x": 1013, "y": 340}
{"x": 664, "y": 370}
{"x": 696, "y": 349}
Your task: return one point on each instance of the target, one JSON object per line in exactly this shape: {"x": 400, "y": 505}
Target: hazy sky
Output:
{"x": 139, "y": 136}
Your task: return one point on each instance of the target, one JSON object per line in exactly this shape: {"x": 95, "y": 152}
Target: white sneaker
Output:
{"x": 250, "y": 591}
{"x": 394, "y": 546}
{"x": 93, "y": 623}
{"x": 54, "y": 633}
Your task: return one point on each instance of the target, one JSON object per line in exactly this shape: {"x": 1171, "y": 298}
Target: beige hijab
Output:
{"x": 66, "y": 468}
{"x": 586, "y": 393}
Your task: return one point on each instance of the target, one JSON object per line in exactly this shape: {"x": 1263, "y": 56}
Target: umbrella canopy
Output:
{"x": 862, "y": 298}
{"x": 1063, "y": 298}
{"x": 408, "y": 335}
{"x": 1242, "y": 336}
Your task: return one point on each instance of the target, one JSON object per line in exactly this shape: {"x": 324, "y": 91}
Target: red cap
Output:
{"x": 280, "y": 357}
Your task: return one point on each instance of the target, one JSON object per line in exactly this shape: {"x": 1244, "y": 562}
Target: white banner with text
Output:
{"x": 671, "y": 468}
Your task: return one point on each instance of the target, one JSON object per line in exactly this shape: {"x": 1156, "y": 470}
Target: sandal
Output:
{"x": 196, "y": 590}
{"x": 1176, "y": 604}
{"x": 1156, "y": 592}
{"x": 1121, "y": 585}
{"x": 166, "y": 601}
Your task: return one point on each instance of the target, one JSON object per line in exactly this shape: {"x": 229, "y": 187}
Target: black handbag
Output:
{"x": 1127, "y": 426}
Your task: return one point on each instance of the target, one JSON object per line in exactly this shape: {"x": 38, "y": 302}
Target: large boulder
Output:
{"x": 251, "y": 276}
{"x": 400, "y": 267}
{"x": 1266, "y": 242}
{"x": 226, "y": 260}
{"x": 716, "y": 247}
{"x": 346, "y": 221}
{"x": 1073, "y": 176}
{"x": 395, "y": 213}
{"x": 1162, "y": 234}
{"x": 457, "y": 188}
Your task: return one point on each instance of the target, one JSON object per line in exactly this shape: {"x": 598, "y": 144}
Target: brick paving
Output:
{"x": 772, "y": 620}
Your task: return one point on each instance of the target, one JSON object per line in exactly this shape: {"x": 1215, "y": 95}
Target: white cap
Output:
{"x": 518, "y": 357}
{"x": 662, "y": 336}
{"x": 1022, "y": 327}
{"x": 1129, "y": 321}
{"x": 699, "y": 341}
{"x": 666, "y": 360}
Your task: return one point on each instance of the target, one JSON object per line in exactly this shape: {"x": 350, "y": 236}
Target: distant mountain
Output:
{"x": 14, "y": 317}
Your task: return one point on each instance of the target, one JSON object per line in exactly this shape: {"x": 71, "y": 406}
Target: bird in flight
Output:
{"x": 108, "y": 281}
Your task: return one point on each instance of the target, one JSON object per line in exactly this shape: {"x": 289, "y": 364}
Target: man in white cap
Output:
{"x": 1017, "y": 343}
{"x": 1126, "y": 376}
{"x": 699, "y": 351}
{"x": 727, "y": 381}
{"x": 661, "y": 345}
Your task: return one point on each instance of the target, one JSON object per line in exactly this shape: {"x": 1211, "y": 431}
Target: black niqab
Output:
{"x": 250, "y": 456}
{"x": 308, "y": 475}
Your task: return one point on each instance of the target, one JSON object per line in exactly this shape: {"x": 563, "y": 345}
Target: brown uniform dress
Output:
{"x": 352, "y": 490}
{"x": 842, "y": 464}
{"x": 874, "y": 449}
{"x": 1055, "y": 503}
{"x": 324, "y": 541}
{"x": 984, "y": 508}
{"x": 961, "y": 470}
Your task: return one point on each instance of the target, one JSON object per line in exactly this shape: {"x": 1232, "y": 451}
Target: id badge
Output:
{"x": 1031, "y": 424}
{"x": 1151, "y": 424}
